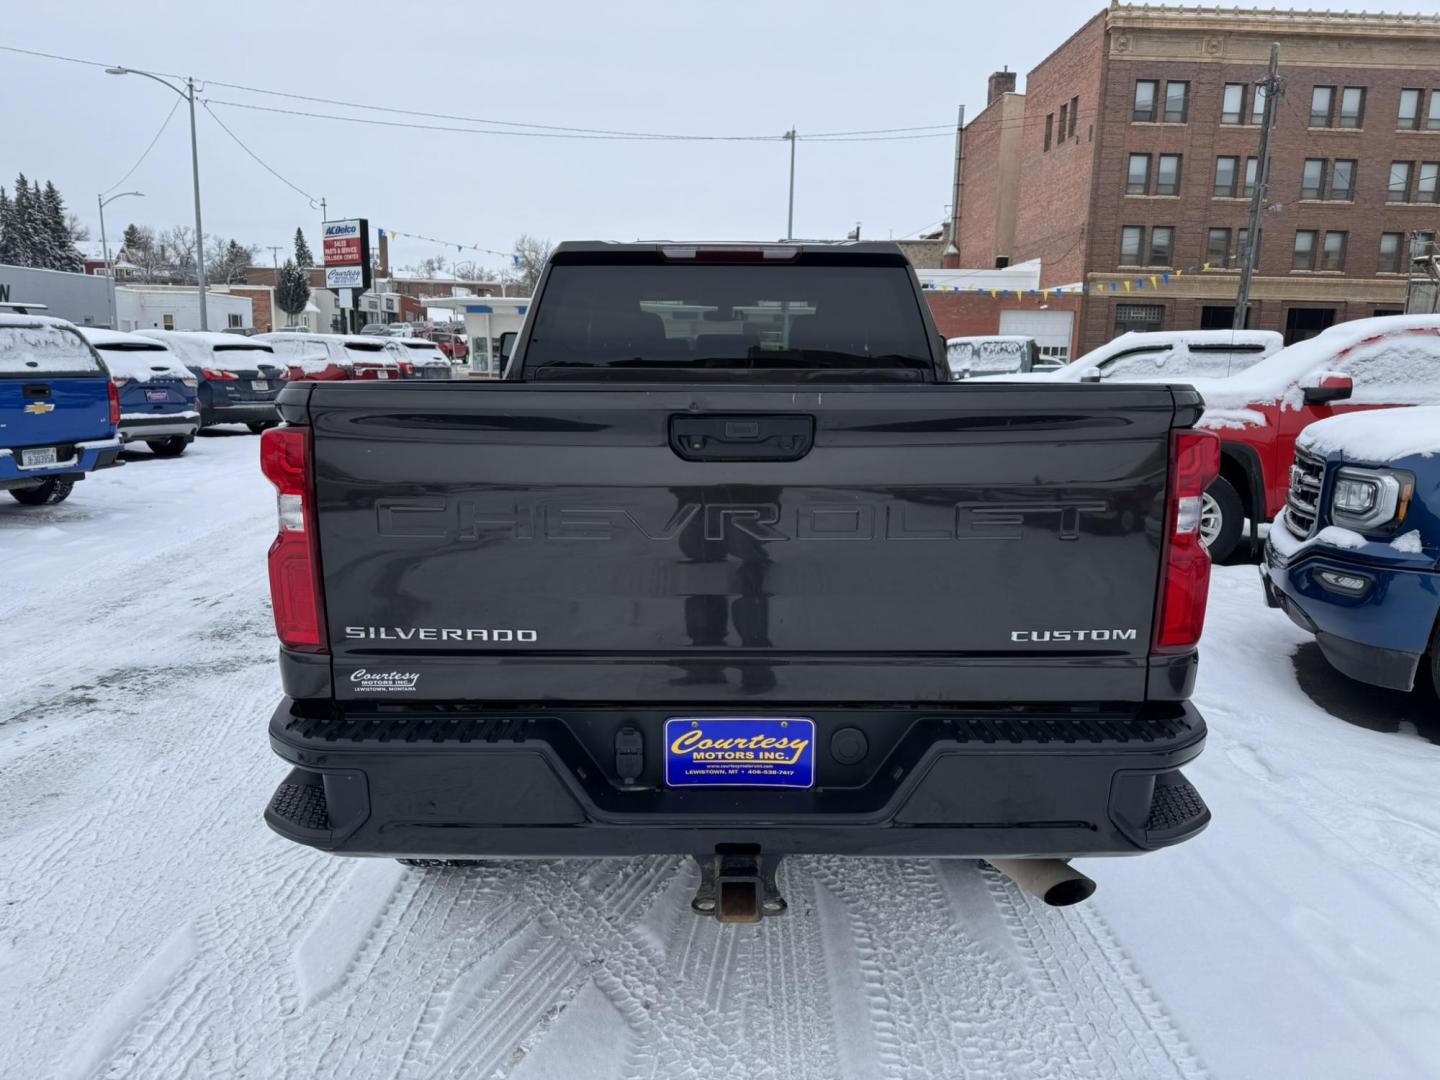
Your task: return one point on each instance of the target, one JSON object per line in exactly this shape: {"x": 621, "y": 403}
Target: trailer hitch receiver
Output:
{"x": 737, "y": 885}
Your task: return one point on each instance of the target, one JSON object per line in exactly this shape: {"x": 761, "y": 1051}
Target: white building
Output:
{"x": 177, "y": 307}
{"x": 488, "y": 319}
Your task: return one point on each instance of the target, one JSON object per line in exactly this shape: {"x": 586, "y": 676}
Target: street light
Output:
{"x": 189, "y": 95}
{"x": 105, "y": 246}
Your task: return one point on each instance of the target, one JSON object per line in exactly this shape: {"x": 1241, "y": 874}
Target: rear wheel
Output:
{"x": 174, "y": 446}
{"x": 46, "y": 494}
{"x": 1222, "y": 518}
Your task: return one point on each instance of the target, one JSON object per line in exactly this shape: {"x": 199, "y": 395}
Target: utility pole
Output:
{"x": 189, "y": 95}
{"x": 790, "y": 221}
{"x": 105, "y": 248}
{"x": 953, "y": 247}
{"x": 275, "y": 259}
{"x": 1273, "y": 90}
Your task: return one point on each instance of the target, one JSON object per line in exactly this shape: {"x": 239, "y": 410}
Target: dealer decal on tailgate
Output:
{"x": 770, "y": 752}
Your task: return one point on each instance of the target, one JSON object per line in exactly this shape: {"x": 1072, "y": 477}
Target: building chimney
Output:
{"x": 384, "y": 269}
{"x": 1002, "y": 82}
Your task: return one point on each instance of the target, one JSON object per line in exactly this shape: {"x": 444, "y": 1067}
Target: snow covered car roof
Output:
{"x": 228, "y": 352}
{"x": 1276, "y": 377}
{"x": 133, "y": 356}
{"x": 428, "y": 352}
{"x": 1378, "y": 436}
{"x": 11, "y": 319}
{"x": 40, "y": 345}
{"x": 1018, "y": 338}
{"x": 1174, "y": 352}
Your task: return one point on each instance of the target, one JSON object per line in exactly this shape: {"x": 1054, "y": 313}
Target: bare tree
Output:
{"x": 75, "y": 228}
{"x": 470, "y": 270}
{"x": 527, "y": 262}
{"x": 227, "y": 260}
{"x": 177, "y": 246}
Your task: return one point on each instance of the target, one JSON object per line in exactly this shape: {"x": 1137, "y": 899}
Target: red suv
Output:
{"x": 453, "y": 345}
{"x": 1258, "y": 412}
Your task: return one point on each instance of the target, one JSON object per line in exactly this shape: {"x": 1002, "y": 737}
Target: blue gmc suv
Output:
{"x": 58, "y": 408}
{"x": 1354, "y": 557}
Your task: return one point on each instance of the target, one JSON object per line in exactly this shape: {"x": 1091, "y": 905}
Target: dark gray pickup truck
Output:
{"x": 727, "y": 566}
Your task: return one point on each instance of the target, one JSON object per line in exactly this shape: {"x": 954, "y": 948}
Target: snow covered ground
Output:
{"x": 151, "y": 926}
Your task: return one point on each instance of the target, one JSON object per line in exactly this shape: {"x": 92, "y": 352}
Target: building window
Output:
{"x": 1074, "y": 116}
{"x": 1333, "y": 255}
{"x": 232, "y": 319}
{"x": 1064, "y": 122}
{"x": 1432, "y": 118}
{"x": 1428, "y": 187}
{"x": 1242, "y": 244}
{"x": 1217, "y": 247}
{"x": 1391, "y": 244}
{"x": 1162, "y": 245}
{"x": 1399, "y": 189}
{"x": 1049, "y": 129}
{"x": 1132, "y": 238}
{"x": 1137, "y": 179}
{"x": 1312, "y": 180}
{"x": 1322, "y": 105}
{"x": 1257, "y": 106}
{"x": 1138, "y": 317}
{"x": 1342, "y": 180}
{"x": 167, "y": 321}
{"x": 1177, "y": 102}
{"x": 1252, "y": 167}
{"x": 1304, "y": 255}
{"x": 1144, "y": 110}
{"x": 1226, "y": 178}
{"x": 1352, "y": 107}
{"x": 1232, "y": 106}
{"x": 1167, "y": 175}
{"x": 1409, "y": 115}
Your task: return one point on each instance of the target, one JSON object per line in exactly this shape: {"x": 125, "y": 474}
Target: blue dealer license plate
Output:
{"x": 737, "y": 751}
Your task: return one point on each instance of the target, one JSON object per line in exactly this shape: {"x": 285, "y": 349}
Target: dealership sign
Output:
{"x": 347, "y": 254}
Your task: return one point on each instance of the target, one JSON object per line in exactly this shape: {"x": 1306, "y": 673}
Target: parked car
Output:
{"x": 335, "y": 357}
{"x": 1352, "y": 556}
{"x": 1173, "y": 354}
{"x": 995, "y": 354}
{"x": 423, "y": 359}
{"x": 727, "y": 566}
{"x": 239, "y": 377}
{"x": 454, "y": 345}
{"x": 58, "y": 409}
{"x": 159, "y": 401}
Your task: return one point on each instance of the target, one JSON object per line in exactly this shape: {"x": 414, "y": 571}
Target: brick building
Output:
{"x": 1138, "y": 138}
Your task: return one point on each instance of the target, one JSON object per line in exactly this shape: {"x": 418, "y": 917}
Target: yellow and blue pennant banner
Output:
{"x": 1151, "y": 281}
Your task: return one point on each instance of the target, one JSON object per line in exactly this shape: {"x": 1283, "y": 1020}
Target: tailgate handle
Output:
{"x": 742, "y": 438}
{"x": 35, "y": 390}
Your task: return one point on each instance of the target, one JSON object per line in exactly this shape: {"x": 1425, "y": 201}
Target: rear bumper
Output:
{"x": 84, "y": 457}
{"x": 938, "y": 782}
{"x": 159, "y": 426}
{"x": 1377, "y": 635}
{"x": 257, "y": 412}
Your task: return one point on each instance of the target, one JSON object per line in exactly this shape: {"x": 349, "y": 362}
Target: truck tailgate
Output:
{"x": 514, "y": 542}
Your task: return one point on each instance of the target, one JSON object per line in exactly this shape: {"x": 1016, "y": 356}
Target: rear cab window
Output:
{"x": 43, "y": 349}
{"x": 795, "y": 315}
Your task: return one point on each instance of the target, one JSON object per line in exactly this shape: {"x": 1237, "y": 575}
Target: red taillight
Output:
{"x": 1194, "y": 464}
{"x": 113, "y": 394}
{"x": 295, "y": 591}
{"x": 217, "y": 375}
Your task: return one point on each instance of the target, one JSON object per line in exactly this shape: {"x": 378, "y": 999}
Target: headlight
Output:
{"x": 1370, "y": 498}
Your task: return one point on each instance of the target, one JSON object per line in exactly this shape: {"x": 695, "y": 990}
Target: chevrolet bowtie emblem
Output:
{"x": 39, "y": 407}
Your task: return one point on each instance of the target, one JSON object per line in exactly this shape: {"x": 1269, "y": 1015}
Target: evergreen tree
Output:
{"x": 8, "y": 255}
{"x": 303, "y": 258}
{"x": 135, "y": 239}
{"x": 292, "y": 289}
{"x": 25, "y": 244}
{"x": 59, "y": 242}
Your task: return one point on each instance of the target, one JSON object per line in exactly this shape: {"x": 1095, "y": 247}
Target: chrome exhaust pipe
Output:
{"x": 1053, "y": 880}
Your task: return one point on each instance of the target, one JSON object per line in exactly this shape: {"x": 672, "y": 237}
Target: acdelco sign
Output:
{"x": 346, "y": 252}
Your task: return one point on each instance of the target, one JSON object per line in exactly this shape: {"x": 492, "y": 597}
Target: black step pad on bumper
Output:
{"x": 454, "y": 783}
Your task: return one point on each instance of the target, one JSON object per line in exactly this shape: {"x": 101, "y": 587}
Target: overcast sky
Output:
{"x": 742, "y": 67}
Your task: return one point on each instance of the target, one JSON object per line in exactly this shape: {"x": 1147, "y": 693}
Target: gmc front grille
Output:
{"x": 1302, "y": 504}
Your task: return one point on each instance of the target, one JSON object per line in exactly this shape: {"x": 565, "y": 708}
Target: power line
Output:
{"x": 146, "y": 154}
{"x": 258, "y": 160}
{"x": 74, "y": 59}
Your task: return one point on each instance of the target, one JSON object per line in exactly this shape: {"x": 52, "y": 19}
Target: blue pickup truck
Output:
{"x": 58, "y": 408}
{"x": 1354, "y": 557}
